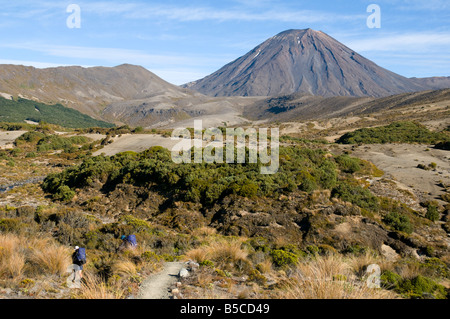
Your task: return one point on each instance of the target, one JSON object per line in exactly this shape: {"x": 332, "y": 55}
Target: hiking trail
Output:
{"x": 157, "y": 286}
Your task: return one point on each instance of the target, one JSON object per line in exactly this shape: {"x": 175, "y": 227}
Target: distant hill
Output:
{"x": 310, "y": 62}
{"x": 125, "y": 94}
{"x": 88, "y": 90}
{"x": 21, "y": 110}
{"x": 307, "y": 107}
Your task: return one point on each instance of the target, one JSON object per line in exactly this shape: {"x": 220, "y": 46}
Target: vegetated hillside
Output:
{"x": 18, "y": 111}
{"x": 125, "y": 94}
{"x": 307, "y": 107}
{"x": 88, "y": 90}
{"x": 317, "y": 205}
{"x": 306, "y": 61}
{"x": 400, "y": 132}
{"x": 251, "y": 235}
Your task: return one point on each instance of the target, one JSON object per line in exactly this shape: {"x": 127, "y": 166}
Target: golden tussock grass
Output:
{"x": 330, "y": 277}
{"x": 93, "y": 287}
{"x": 221, "y": 252}
{"x": 21, "y": 256}
{"x": 124, "y": 268}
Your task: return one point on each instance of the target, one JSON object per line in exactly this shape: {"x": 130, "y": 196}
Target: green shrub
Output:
{"x": 390, "y": 280}
{"x": 22, "y": 109}
{"x": 399, "y": 222}
{"x": 283, "y": 258}
{"x": 139, "y": 129}
{"x": 348, "y": 164}
{"x": 432, "y": 213}
{"x": 207, "y": 263}
{"x": 399, "y": 132}
{"x": 11, "y": 225}
{"x": 356, "y": 195}
{"x": 256, "y": 276}
{"x": 64, "y": 193}
{"x": 419, "y": 286}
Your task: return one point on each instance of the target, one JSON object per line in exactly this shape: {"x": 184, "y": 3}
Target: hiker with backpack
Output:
{"x": 128, "y": 242}
{"x": 79, "y": 259}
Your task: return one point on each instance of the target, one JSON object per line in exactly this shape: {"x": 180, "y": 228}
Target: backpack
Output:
{"x": 132, "y": 240}
{"x": 81, "y": 255}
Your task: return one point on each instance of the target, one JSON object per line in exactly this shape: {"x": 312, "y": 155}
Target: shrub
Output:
{"x": 356, "y": 195}
{"x": 64, "y": 193}
{"x": 390, "y": 280}
{"x": 432, "y": 213}
{"x": 348, "y": 164}
{"x": 399, "y": 222}
{"x": 283, "y": 258}
{"x": 399, "y": 132}
{"x": 139, "y": 129}
{"x": 207, "y": 263}
{"x": 419, "y": 286}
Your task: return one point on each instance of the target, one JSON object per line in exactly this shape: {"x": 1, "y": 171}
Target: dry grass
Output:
{"x": 12, "y": 257}
{"x": 222, "y": 252}
{"x": 53, "y": 259}
{"x": 124, "y": 268}
{"x": 199, "y": 254}
{"x": 329, "y": 277}
{"x": 94, "y": 287}
{"x": 204, "y": 231}
{"x": 20, "y": 256}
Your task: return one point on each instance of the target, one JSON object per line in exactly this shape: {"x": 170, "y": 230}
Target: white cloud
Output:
{"x": 36, "y": 64}
{"x": 186, "y": 14}
{"x": 407, "y": 42}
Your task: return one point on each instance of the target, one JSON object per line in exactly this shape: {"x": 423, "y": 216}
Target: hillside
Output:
{"x": 25, "y": 110}
{"x": 88, "y": 90}
{"x": 303, "y": 107}
{"x": 126, "y": 94}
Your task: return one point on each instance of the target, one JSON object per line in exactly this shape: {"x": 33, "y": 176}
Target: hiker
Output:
{"x": 79, "y": 259}
{"x": 128, "y": 242}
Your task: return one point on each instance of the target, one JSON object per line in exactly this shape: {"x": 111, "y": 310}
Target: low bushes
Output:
{"x": 417, "y": 287}
{"x": 300, "y": 169}
{"x": 398, "y": 222}
{"x": 399, "y": 132}
{"x": 355, "y": 194}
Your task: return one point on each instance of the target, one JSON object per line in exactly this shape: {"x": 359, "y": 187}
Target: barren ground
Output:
{"x": 399, "y": 162}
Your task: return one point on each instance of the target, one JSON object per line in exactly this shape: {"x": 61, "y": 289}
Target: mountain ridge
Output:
{"x": 87, "y": 90}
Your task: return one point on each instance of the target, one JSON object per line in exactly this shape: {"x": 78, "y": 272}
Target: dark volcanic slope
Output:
{"x": 305, "y": 61}
{"x": 307, "y": 107}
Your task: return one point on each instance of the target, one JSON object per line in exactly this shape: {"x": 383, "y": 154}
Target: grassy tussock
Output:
{"x": 330, "y": 277}
{"x": 94, "y": 287}
{"x": 21, "y": 256}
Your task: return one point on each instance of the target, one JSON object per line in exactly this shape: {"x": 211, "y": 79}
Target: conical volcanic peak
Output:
{"x": 305, "y": 61}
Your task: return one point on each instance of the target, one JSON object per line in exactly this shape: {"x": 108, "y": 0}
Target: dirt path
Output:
{"x": 157, "y": 286}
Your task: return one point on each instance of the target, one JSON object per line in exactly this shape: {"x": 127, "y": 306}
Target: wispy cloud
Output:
{"x": 187, "y": 13}
{"x": 175, "y": 68}
{"x": 100, "y": 53}
{"x": 409, "y": 42}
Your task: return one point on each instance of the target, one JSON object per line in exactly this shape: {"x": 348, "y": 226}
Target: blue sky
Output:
{"x": 182, "y": 41}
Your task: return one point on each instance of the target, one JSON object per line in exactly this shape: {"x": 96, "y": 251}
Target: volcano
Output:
{"x": 304, "y": 61}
